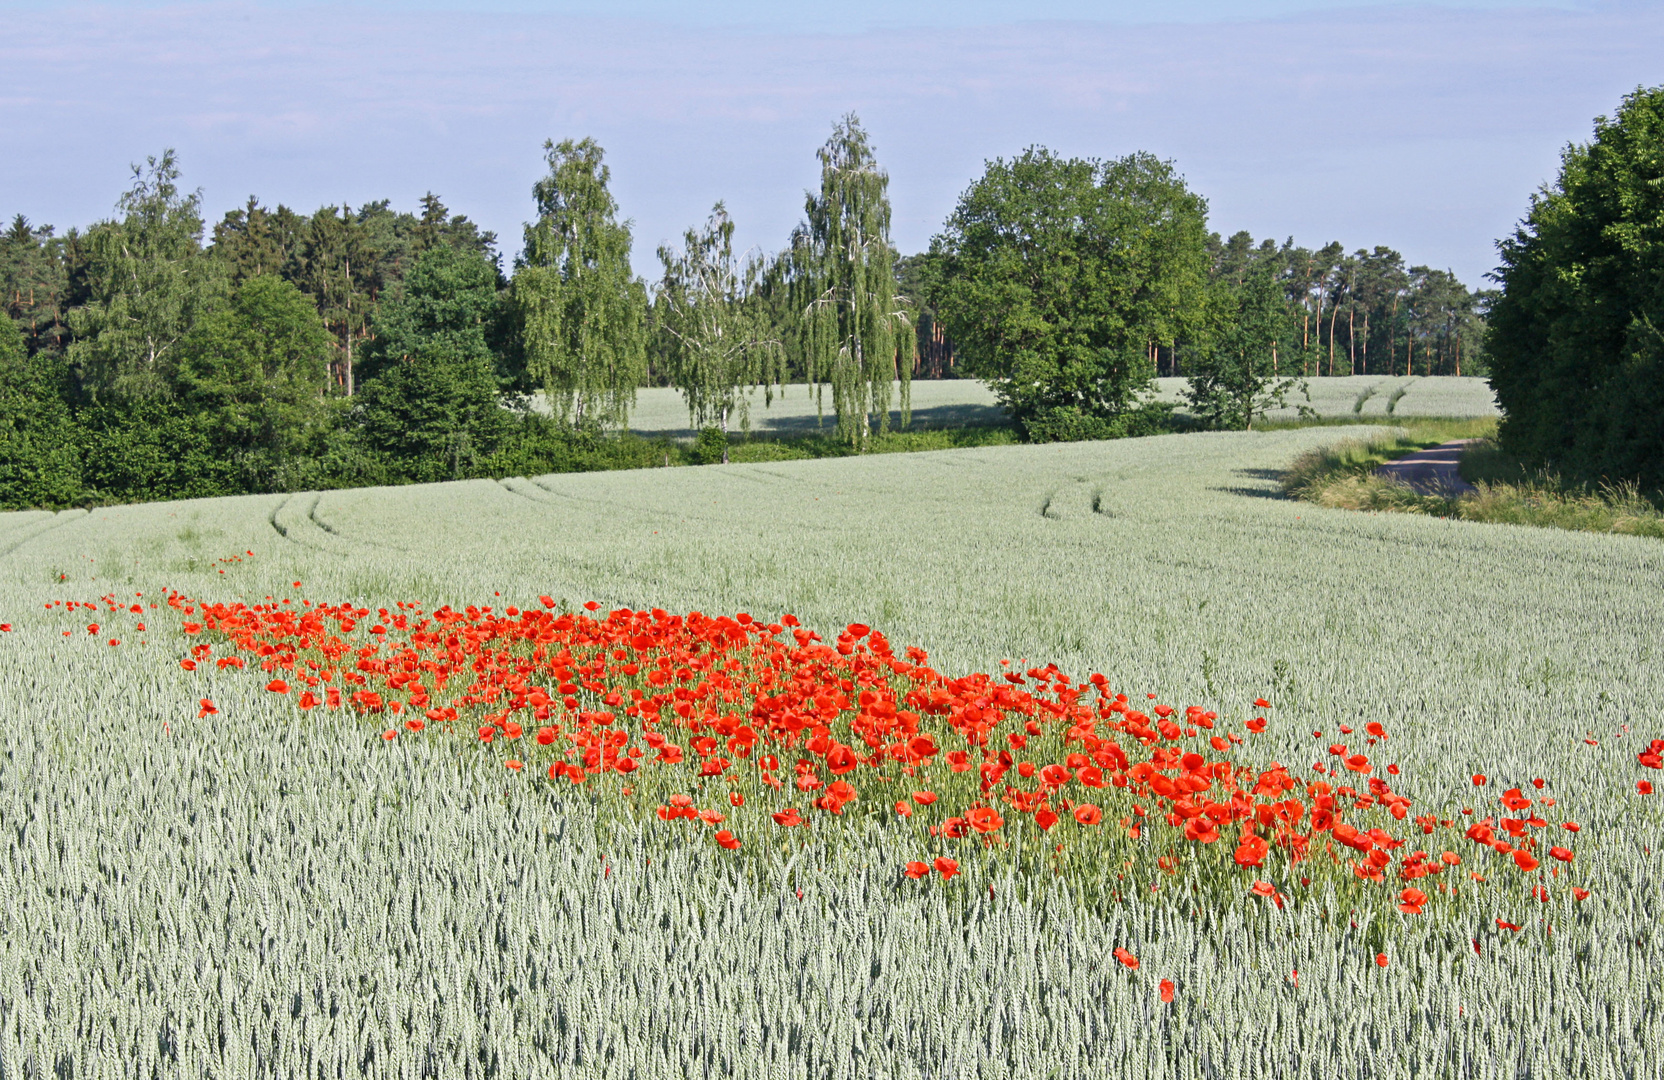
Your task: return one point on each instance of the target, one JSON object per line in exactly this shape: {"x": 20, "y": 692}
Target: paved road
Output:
{"x": 1432, "y": 471}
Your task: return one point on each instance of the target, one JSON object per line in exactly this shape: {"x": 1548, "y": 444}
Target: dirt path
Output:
{"x": 1432, "y": 472}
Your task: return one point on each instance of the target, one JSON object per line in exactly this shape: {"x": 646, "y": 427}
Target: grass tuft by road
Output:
{"x": 1343, "y": 476}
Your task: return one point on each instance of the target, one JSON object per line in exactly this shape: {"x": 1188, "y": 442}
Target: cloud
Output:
{"x": 1423, "y": 129}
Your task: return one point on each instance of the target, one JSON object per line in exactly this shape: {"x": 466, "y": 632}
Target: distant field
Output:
{"x": 264, "y": 893}
{"x": 939, "y": 403}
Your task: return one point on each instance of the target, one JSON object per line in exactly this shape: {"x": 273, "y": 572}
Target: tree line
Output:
{"x": 151, "y": 356}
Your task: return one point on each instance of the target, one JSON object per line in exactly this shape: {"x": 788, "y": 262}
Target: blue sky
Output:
{"x": 1424, "y": 128}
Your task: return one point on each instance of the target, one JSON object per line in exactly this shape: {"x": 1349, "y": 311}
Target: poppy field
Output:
{"x": 1078, "y": 761}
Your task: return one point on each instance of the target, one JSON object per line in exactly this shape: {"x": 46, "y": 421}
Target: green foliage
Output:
{"x": 147, "y": 284}
{"x": 149, "y": 450}
{"x": 349, "y": 262}
{"x": 581, "y": 313}
{"x": 254, "y": 374}
{"x": 1058, "y": 276}
{"x": 449, "y": 297}
{"x": 855, "y": 330}
{"x": 715, "y": 334}
{"x": 1232, "y": 369}
{"x": 255, "y": 241}
{"x": 433, "y": 416}
{"x": 711, "y": 447}
{"x": 39, "y": 461}
{"x": 36, "y": 271}
{"x": 1576, "y": 342}
{"x": 1071, "y": 423}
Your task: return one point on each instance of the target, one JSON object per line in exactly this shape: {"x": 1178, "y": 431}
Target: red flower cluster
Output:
{"x": 698, "y": 702}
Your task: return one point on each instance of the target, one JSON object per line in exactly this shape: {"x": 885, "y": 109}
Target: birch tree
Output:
{"x": 856, "y": 331}
{"x": 147, "y": 282}
{"x": 717, "y": 340}
{"x": 581, "y": 313}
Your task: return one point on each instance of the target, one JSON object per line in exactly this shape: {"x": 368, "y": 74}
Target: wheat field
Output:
{"x": 267, "y": 893}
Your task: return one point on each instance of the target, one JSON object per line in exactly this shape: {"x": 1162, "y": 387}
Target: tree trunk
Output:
{"x": 1351, "y": 340}
{"x": 1334, "y": 315}
{"x": 1366, "y": 341}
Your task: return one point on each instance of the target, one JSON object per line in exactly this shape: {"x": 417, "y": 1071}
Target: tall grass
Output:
{"x": 1343, "y": 476}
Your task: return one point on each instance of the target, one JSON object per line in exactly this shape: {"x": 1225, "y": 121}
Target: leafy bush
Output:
{"x": 1576, "y": 340}
{"x": 711, "y": 447}
{"x": 1071, "y": 423}
{"x": 39, "y": 465}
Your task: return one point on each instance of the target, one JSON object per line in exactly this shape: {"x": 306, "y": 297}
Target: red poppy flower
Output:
{"x": 1055, "y": 775}
{"x": 1478, "y": 779}
{"x": 1251, "y": 850}
{"x": 903, "y": 809}
{"x": 1263, "y": 888}
{"x": 984, "y": 819}
{"x": 1127, "y": 959}
{"x": 1167, "y": 991}
{"x": 278, "y": 686}
{"x": 1045, "y": 818}
{"x": 916, "y": 870}
{"x": 1580, "y": 894}
{"x": 205, "y": 708}
{"x": 787, "y": 817}
{"x": 1504, "y": 925}
{"x": 1525, "y": 860}
{"x": 1261, "y": 703}
{"x": 1563, "y": 854}
{"x": 1087, "y": 814}
{"x": 514, "y": 764}
{"x": 727, "y": 839}
{"x": 1257, "y": 724}
{"x": 389, "y": 735}
{"x": 1411, "y": 901}
{"x": 946, "y": 867}
{"x": 840, "y": 759}
{"x": 924, "y": 798}
{"x": 1381, "y": 960}
{"x": 1644, "y": 787}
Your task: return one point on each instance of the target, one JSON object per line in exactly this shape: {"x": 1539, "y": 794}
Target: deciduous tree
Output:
{"x": 1057, "y": 277}
{"x": 581, "y": 313}
{"x": 148, "y": 283}
{"x": 856, "y": 332}
{"x": 717, "y": 339}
